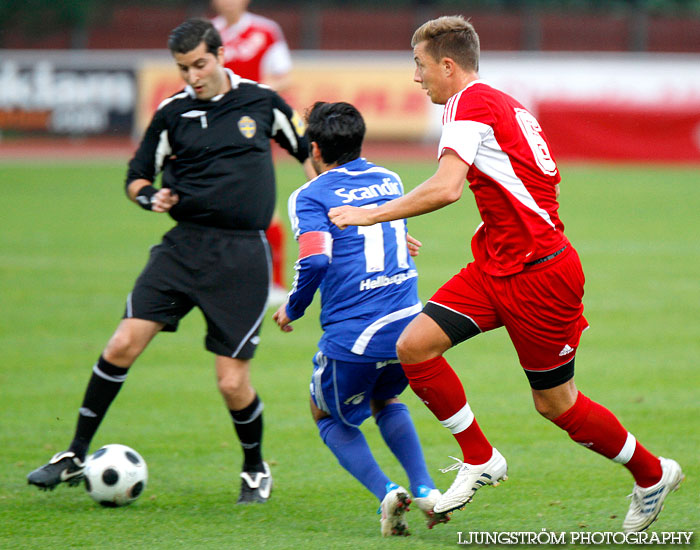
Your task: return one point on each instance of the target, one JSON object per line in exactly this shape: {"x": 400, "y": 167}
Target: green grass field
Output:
{"x": 71, "y": 246}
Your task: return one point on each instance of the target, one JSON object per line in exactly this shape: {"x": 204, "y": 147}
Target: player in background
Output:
{"x": 255, "y": 48}
{"x": 525, "y": 276}
{"x": 219, "y": 185}
{"x": 368, "y": 284}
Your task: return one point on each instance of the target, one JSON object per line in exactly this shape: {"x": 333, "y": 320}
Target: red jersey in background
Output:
{"x": 254, "y": 47}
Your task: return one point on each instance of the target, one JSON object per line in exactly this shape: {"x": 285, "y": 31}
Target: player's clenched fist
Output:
{"x": 164, "y": 200}
{"x": 342, "y": 216}
{"x": 282, "y": 319}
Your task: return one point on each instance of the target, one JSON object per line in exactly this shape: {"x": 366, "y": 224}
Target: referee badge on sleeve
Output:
{"x": 247, "y": 126}
{"x": 299, "y": 125}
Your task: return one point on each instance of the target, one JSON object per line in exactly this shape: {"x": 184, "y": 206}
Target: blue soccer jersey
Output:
{"x": 367, "y": 278}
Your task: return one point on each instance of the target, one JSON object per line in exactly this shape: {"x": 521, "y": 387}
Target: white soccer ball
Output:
{"x": 115, "y": 475}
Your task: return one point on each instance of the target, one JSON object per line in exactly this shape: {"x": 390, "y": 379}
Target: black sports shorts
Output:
{"x": 223, "y": 272}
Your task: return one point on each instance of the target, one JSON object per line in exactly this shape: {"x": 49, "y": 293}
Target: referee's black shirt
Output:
{"x": 215, "y": 154}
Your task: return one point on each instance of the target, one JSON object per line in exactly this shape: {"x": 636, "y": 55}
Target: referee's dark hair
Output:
{"x": 338, "y": 129}
{"x": 190, "y": 34}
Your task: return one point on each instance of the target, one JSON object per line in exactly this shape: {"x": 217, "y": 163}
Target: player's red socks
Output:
{"x": 275, "y": 236}
{"x": 596, "y": 428}
{"x": 439, "y": 387}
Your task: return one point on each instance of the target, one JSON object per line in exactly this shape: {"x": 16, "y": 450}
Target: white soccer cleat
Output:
{"x": 426, "y": 500}
{"x": 647, "y": 502}
{"x": 470, "y": 478}
{"x": 393, "y": 508}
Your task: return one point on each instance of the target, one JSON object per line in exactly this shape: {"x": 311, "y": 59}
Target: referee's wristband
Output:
{"x": 144, "y": 197}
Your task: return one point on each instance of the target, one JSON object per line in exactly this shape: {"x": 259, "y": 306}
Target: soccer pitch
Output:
{"x": 72, "y": 245}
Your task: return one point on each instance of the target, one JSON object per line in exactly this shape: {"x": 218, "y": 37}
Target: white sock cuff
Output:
{"x": 625, "y": 455}
{"x": 459, "y": 421}
{"x": 118, "y": 378}
{"x": 257, "y": 412}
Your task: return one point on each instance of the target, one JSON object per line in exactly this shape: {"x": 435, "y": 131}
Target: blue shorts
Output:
{"x": 344, "y": 389}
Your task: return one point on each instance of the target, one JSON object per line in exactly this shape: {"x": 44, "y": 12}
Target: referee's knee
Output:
{"x": 236, "y": 390}
{"x": 121, "y": 350}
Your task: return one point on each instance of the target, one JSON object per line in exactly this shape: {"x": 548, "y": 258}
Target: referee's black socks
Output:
{"x": 104, "y": 385}
{"x": 249, "y": 427}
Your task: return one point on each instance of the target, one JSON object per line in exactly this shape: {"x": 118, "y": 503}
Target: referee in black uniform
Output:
{"x": 212, "y": 143}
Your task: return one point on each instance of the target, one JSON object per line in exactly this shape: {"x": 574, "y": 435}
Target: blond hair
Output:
{"x": 450, "y": 36}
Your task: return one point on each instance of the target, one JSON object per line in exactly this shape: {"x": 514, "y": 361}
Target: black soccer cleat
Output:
{"x": 64, "y": 467}
{"x": 255, "y": 486}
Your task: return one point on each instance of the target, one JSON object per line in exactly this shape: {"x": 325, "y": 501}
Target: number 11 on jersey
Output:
{"x": 375, "y": 250}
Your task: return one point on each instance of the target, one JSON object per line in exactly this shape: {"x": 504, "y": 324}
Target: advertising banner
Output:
{"x": 394, "y": 107}
{"x": 591, "y": 106}
{"x": 48, "y": 96}
{"x": 157, "y": 81}
{"x": 640, "y": 107}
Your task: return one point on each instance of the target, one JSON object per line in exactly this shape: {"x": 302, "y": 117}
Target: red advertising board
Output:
{"x": 618, "y": 132}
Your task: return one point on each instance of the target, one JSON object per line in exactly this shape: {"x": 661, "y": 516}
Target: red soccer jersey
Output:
{"x": 254, "y": 46}
{"x": 511, "y": 173}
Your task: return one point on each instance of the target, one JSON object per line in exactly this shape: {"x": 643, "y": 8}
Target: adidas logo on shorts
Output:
{"x": 566, "y": 350}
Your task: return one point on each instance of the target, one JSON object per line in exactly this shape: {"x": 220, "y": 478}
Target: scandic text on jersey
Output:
{"x": 388, "y": 187}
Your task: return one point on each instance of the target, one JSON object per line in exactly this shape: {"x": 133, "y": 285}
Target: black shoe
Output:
{"x": 255, "y": 486}
{"x": 63, "y": 467}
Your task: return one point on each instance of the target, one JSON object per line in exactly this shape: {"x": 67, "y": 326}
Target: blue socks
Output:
{"x": 399, "y": 433}
{"x": 350, "y": 448}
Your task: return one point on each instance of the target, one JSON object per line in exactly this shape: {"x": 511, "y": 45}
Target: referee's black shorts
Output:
{"x": 225, "y": 273}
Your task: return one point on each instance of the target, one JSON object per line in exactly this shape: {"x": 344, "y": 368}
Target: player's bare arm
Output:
{"x": 162, "y": 201}
{"x": 441, "y": 189}
{"x": 135, "y": 186}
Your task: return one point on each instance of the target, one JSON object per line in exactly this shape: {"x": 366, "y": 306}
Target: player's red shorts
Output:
{"x": 540, "y": 307}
